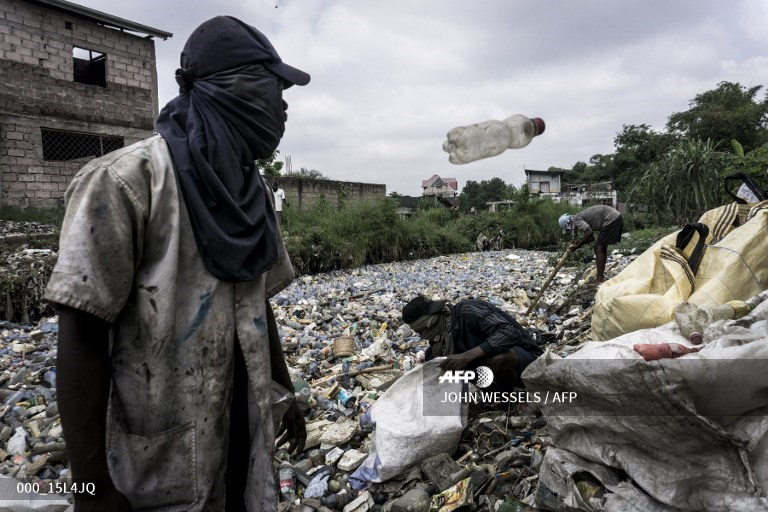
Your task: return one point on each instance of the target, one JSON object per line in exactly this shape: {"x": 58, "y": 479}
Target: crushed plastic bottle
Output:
{"x": 652, "y": 352}
{"x": 287, "y": 476}
{"x": 466, "y": 144}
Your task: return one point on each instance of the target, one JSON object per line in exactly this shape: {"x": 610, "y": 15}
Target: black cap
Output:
{"x": 421, "y": 306}
{"x": 225, "y": 42}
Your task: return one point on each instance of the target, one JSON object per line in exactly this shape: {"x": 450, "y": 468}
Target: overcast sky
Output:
{"x": 390, "y": 78}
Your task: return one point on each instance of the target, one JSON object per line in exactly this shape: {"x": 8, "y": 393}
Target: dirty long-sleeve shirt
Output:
{"x": 595, "y": 218}
{"x": 128, "y": 256}
{"x": 479, "y": 324}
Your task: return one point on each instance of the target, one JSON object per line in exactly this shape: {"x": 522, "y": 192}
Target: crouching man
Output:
{"x": 473, "y": 333}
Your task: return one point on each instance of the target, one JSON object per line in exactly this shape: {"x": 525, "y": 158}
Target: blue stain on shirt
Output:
{"x": 261, "y": 326}
{"x": 100, "y": 210}
{"x": 202, "y": 312}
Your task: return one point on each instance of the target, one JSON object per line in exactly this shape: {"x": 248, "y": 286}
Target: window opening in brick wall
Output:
{"x": 90, "y": 67}
{"x": 64, "y": 145}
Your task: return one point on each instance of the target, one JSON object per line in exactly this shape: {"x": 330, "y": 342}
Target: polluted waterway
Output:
{"x": 346, "y": 347}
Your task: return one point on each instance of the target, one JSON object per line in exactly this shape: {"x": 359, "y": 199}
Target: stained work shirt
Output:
{"x": 595, "y": 217}
{"x": 128, "y": 256}
{"x": 479, "y": 324}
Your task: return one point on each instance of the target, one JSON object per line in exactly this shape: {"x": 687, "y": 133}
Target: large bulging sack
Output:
{"x": 719, "y": 259}
{"x": 411, "y": 424}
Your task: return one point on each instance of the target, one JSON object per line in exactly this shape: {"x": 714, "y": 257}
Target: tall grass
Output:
{"x": 682, "y": 185}
{"x": 54, "y": 217}
{"x": 323, "y": 238}
{"x": 529, "y": 225}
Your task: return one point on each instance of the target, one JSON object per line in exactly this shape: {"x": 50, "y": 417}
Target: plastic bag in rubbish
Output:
{"x": 18, "y": 443}
{"x": 403, "y": 435}
{"x": 318, "y": 486}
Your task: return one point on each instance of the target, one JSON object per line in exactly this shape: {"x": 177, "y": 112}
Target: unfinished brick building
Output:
{"x": 75, "y": 83}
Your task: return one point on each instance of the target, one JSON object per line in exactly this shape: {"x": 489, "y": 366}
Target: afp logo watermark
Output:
{"x": 482, "y": 376}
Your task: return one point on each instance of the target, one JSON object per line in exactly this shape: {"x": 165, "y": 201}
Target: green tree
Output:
{"x": 637, "y": 146}
{"x": 522, "y": 198}
{"x": 599, "y": 168}
{"x": 470, "y": 196}
{"x": 731, "y": 111}
{"x": 753, "y": 163}
{"x": 312, "y": 174}
{"x": 476, "y": 195}
{"x": 270, "y": 166}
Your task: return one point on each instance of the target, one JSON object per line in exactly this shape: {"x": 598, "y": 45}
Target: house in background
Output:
{"x": 590, "y": 194}
{"x": 550, "y": 184}
{"x": 440, "y": 187}
{"x": 76, "y": 83}
{"x": 544, "y": 183}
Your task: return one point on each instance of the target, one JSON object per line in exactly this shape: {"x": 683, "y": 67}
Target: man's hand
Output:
{"x": 292, "y": 429}
{"x": 455, "y": 362}
{"x": 461, "y": 361}
{"x": 112, "y": 500}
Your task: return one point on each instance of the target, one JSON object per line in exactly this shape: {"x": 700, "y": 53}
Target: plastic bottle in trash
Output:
{"x": 325, "y": 404}
{"x": 652, "y": 352}
{"x": 466, "y": 144}
{"x": 345, "y": 398}
{"x": 287, "y": 476}
{"x": 338, "y": 500}
{"x": 302, "y": 397}
{"x": 50, "y": 377}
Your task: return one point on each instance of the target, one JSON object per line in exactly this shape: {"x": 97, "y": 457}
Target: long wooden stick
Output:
{"x": 353, "y": 373}
{"x": 549, "y": 280}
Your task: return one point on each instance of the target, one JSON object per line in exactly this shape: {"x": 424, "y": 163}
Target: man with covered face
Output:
{"x": 172, "y": 380}
{"x": 473, "y": 333}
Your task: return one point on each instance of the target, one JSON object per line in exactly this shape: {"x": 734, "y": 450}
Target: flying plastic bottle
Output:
{"x": 466, "y": 144}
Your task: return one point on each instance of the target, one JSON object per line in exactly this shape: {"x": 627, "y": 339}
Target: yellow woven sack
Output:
{"x": 723, "y": 257}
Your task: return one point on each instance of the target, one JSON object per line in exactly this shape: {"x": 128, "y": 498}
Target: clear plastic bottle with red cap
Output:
{"x": 466, "y": 144}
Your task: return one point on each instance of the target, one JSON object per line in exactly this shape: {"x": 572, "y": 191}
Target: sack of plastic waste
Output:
{"x": 412, "y": 421}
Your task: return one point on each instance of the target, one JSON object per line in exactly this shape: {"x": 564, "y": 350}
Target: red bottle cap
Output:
{"x": 540, "y": 126}
{"x": 696, "y": 338}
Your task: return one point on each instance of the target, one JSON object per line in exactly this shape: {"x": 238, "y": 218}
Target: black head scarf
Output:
{"x": 229, "y": 112}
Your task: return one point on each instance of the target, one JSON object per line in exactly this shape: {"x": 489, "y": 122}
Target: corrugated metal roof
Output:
{"x": 102, "y": 18}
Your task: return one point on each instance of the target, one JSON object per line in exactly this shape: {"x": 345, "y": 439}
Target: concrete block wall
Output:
{"x": 39, "y": 36}
{"x": 26, "y": 179}
{"x": 303, "y": 192}
{"x": 37, "y": 91}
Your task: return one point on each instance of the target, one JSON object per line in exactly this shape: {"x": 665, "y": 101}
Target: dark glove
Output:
{"x": 292, "y": 429}
{"x": 455, "y": 362}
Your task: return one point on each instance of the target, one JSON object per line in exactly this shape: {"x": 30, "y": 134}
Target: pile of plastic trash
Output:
{"x": 347, "y": 349}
